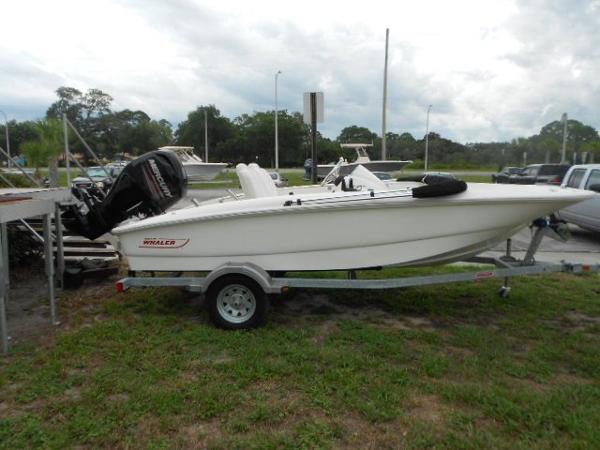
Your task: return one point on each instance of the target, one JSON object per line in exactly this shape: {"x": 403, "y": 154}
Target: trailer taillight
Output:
{"x": 555, "y": 180}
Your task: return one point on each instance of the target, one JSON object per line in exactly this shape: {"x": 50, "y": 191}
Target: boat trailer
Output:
{"x": 236, "y": 293}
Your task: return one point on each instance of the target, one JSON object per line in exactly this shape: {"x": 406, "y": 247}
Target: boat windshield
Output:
{"x": 187, "y": 156}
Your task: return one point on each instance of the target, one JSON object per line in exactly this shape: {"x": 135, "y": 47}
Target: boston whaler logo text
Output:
{"x": 159, "y": 178}
{"x": 163, "y": 243}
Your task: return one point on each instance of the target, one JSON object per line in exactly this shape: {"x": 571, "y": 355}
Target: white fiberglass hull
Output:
{"x": 203, "y": 171}
{"x": 348, "y": 231}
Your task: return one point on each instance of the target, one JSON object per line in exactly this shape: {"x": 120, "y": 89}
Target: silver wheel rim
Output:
{"x": 236, "y": 303}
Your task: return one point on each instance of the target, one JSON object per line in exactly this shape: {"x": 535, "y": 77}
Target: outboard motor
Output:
{"x": 147, "y": 186}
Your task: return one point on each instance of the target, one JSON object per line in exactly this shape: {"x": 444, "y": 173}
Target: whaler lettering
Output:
{"x": 159, "y": 178}
{"x": 158, "y": 242}
{"x": 163, "y": 243}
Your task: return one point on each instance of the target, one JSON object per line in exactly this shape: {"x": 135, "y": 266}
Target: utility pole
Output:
{"x": 276, "y": 130}
{"x": 205, "y": 136}
{"x": 563, "y": 157}
{"x": 313, "y": 140}
{"x": 67, "y": 150}
{"x": 9, "y": 163}
{"x": 383, "y": 115}
{"x": 427, "y": 139}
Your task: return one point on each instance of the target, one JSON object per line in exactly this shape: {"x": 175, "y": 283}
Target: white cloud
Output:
{"x": 492, "y": 70}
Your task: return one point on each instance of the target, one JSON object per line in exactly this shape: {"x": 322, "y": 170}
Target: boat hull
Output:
{"x": 370, "y": 233}
{"x": 203, "y": 171}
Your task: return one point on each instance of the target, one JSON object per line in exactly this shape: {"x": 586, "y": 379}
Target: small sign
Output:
{"x": 320, "y": 108}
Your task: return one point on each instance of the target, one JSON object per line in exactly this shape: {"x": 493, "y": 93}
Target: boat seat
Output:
{"x": 255, "y": 181}
{"x": 245, "y": 180}
{"x": 265, "y": 184}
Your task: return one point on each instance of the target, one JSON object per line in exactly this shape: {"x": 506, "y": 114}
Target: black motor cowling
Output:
{"x": 147, "y": 186}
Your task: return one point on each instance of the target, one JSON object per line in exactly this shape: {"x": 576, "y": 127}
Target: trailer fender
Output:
{"x": 252, "y": 271}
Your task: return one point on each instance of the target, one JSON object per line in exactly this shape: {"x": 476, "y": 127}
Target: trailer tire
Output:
{"x": 236, "y": 302}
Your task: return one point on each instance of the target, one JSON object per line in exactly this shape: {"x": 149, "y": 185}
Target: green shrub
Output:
{"x": 20, "y": 181}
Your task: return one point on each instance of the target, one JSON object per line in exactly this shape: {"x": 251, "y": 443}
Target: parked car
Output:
{"x": 116, "y": 167}
{"x": 540, "y": 174}
{"x": 442, "y": 174}
{"x": 585, "y": 214}
{"x": 504, "y": 175}
{"x": 103, "y": 178}
{"x": 278, "y": 179}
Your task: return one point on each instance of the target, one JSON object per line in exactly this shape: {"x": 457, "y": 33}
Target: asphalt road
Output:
{"x": 583, "y": 246}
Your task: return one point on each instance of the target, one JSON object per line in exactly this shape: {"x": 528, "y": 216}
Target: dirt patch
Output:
{"x": 459, "y": 353}
{"x": 574, "y": 321}
{"x": 28, "y": 307}
{"x": 306, "y": 307}
{"x": 569, "y": 379}
{"x": 36, "y": 405}
{"x": 221, "y": 358}
{"x": 428, "y": 408}
{"x": 77, "y": 372}
{"x": 325, "y": 330}
{"x": 528, "y": 384}
{"x": 267, "y": 386}
{"x": 117, "y": 398}
{"x": 363, "y": 434}
{"x": 199, "y": 435}
{"x": 72, "y": 394}
{"x": 581, "y": 321}
{"x": 560, "y": 380}
{"x": 407, "y": 323}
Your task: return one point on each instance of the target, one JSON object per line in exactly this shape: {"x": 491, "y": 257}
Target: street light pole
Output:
{"x": 563, "y": 154}
{"x": 276, "y": 129}
{"x": 205, "y": 137}
{"x": 427, "y": 139}
{"x": 7, "y": 138}
{"x": 384, "y": 113}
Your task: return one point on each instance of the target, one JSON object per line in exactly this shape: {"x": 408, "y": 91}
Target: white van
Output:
{"x": 585, "y": 214}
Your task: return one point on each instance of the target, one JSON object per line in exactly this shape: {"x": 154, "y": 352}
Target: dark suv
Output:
{"x": 101, "y": 176}
{"x": 504, "y": 174}
{"x": 539, "y": 173}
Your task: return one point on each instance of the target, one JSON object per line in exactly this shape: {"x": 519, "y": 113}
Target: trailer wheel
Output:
{"x": 236, "y": 302}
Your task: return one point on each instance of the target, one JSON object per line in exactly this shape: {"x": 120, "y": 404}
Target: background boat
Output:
{"x": 195, "y": 168}
{"x": 362, "y": 158}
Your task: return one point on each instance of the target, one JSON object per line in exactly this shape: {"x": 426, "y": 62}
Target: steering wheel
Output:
{"x": 334, "y": 173}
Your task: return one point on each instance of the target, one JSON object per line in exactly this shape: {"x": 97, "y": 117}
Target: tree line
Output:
{"x": 250, "y": 137}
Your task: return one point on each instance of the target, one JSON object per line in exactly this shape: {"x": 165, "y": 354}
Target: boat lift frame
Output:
{"x": 506, "y": 267}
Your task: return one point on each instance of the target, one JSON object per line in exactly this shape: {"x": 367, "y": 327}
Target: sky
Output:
{"x": 491, "y": 69}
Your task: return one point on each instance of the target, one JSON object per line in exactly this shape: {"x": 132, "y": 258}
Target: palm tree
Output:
{"x": 47, "y": 147}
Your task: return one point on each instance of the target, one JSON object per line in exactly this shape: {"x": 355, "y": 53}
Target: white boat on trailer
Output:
{"x": 243, "y": 240}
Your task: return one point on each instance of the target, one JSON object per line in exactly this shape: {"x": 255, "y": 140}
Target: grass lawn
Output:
{"x": 450, "y": 366}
